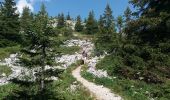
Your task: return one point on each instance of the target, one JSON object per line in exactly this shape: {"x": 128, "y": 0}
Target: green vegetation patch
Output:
{"x": 132, "y": 89}
{"x": 5, "y": 52}
{"x": 68, "y": 50}
{"x": 60, "y": 89}
{"x": 63, "y": 86}
{"x": 5, "y": 69}
{"x": 7, "y": 89}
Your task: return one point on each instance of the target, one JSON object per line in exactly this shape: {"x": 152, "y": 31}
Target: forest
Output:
{"x": 43, "y": 57}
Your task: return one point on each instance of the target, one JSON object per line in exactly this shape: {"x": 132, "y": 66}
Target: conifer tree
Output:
{"x": 108, "y": 20}
{"x": 26, "y": 24}
{"x": 1, "y": 20}
{"x": 106, "y": 39}
{"x": 78, "y": 26}
{"x": 68, "y": 17}
{"x": 40, "y": 51}
{"x": 85, "y": 20}
{"x": 10, "y": 21}
{"x": 120, "y": 23}
{"x": 101, "y": 24}
{"x": 26, "y": 19}
{"x": 127, "y": 14}
{"x": 147, "y": 40}
{"x": 91, "y": 24}
{"x": 61, "y": 21}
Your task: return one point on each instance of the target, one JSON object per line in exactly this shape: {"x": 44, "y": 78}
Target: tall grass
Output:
{"x": 5, "y": 52}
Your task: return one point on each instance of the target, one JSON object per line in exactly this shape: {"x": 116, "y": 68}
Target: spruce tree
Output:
{"x": 26, "y": 19}
{"x": 127, "y": 14}
{"x": 10, "y": 21}
{"x": 147, "y": 41}
{"x": 120, "y": 24}
{"x": 68, "y": 17}
{"x": 61, "y": 21}
{"x": 91, "y": 24}
{"x": 101, "y": 24}
{"x": 106, "y": 39}
{"x": 26, "y": 24}
{"x": 40, "y": 51}
{"x": 78, "y": 25}
{"x": 108, "y": 19}
{"x": 1, "y": 20}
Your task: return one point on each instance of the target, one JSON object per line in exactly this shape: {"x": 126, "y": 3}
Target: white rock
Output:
{"x": 3, "y": 74}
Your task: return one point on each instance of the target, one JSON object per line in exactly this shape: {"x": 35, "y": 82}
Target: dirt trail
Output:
{"x": 100, "y": 92}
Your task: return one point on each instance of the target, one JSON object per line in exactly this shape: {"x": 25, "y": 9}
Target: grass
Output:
{"x": 60, "y": 88}
{"x": 68, "y": 50}
{"x": 5, "y": 52}
{"x": 132, "y": 89}
{"x": 5, "y": 69}
{"x": 63, "y": 85}
{"x": 7, "y": 89}
{"x": 80, "y": 35}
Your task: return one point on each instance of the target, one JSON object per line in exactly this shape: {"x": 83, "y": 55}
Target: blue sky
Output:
{"x": 75, "y": 7}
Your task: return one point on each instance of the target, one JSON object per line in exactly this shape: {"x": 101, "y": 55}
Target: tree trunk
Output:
{"x": 42, "y": 72}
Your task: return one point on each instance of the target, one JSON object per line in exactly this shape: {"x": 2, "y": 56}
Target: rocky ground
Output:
{"x": 64, "y": 60}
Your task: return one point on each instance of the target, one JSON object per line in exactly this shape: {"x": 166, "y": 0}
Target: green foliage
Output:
{"x": 61, "y": 21}
{"x": 132, "y": 89}
{"x": 5, "y": 69}
{"x": 106, "y": 39}
{"x": 67, "y": 32}
{"x": 108, "y": 19}
{"x": 7, "y": 43}
{"x": 57, "y": 90}
{"x": 110, "y": 63}
{"x": 68, "y": 50}
{"x": 7, "y": 89}
{"x": 63, "y": 86}
{"x": 26, "y": 24}
{"x": 9, "y": 20}
{"x": 120, "y": 23}
{"x": 68, "y": 17}
{"x": 127, "y": 14}
{"x": 78, "y": 26}
{"x": 142, "y": 49}
{"x": 91, "y": 24}
{"x": 5, "y": 52}
{"x": 30, "y": 91}
{"x": 40, "y": 51}
{"x": 107, "y": 42}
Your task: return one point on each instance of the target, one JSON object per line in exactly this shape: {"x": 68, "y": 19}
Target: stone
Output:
{"x": 3, "y": 74}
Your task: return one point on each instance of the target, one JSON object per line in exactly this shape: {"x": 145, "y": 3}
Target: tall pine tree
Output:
{"x": 40, "y": 51}
{"x": 10, "y": 21}
{"x": 106, "y": 39}
{"x": 78, "y": 26}
{"x": 26, "y": 24}
{"x": 26, "y": 19}
{"x": 108, "y": 20}
{"x": 61, "y": 21}
{"x": 91, "y": 24}
{"x": 127, "y": 14}
{"x": 120, "y": 24}
{"x": 68, "y": 16}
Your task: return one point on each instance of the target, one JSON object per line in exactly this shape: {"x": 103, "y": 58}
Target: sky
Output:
{"x": 75, "y": 7}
